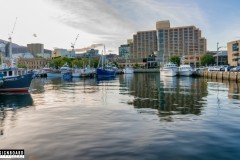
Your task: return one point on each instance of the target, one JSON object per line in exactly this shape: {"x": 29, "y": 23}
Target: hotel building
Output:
{"x": 184, "y": 42}
{"x": 144, "y": 44}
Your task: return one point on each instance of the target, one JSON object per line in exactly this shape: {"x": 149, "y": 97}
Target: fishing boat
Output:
{"x": 15, "y": 80}
{"x": 76, "y": 73}
{"x": 88, "y": 72}
{"x": 105, "y": 70}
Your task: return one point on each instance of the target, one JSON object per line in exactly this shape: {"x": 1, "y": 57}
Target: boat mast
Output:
{"x": 102, "y": 54}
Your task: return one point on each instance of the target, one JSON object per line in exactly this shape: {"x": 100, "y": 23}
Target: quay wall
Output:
{"x": 152, "y": 70}
{"x": 218, "y": 75}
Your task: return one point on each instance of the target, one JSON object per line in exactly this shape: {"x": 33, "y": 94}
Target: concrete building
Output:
{"x": 33, "y": 63}
{"x": 123, "y": 50}
{"x": 221, "y": 57}
{"x": 184, "y": 41}
{"x": 126, "y": 49}
{"x": 35, "y": 48}
{"x": 58, "y": 52}
{"x": 144, "y": 44}
{"x": 233, "y": 53}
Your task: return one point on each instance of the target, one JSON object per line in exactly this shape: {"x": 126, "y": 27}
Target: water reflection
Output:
{"x": 9, "y": 103}
{"x": 15, "y": 100}
{"x": 99, "y": 79}
{"x": 169, "y": 95}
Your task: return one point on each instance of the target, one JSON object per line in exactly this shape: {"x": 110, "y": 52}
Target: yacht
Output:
{"x": 185, "y": 70}
{"x": 169, "y": 69}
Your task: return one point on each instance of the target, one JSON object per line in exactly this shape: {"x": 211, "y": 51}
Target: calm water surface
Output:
{"x": 140, "y": 116}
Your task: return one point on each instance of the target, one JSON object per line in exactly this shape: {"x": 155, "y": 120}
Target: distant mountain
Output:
{"x": 14, "y": 45}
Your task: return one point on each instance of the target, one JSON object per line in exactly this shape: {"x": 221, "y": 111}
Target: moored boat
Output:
{"x": 105, "y": 70}
{"x": 15, "y": 80}
{"x": 169, "y": 69}
{"x": 185, "y": 70}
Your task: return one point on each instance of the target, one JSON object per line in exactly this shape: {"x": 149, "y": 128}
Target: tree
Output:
{"x": 175, "y": 60}
{"x": 77, "y": 63}
{"x": 136, "y": 65}
{"x": 207, "y": 59}
{"x": 21, "y": 65}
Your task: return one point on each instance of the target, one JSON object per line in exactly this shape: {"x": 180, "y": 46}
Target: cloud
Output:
{"x": 113, "y": 21}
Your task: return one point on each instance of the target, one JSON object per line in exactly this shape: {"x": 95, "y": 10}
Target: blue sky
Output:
{"x": 57, "y": 22}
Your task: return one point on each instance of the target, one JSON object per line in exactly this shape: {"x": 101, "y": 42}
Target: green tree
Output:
{"x": 94, "y": 62}
{"x": 207, "y": 59}
{"x": 67, "y": 60}
{"x": 77, "y": 63}
{"x": 136, "y": 65}
{"x": 175, "y": 60}
{"x": 57, "y": 63}
{"x": 21, "y": 65}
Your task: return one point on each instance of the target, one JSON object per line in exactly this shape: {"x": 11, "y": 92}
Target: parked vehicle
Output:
{"x": 226, "y": 67}
{"x": 235, "y": 69}
{"x": 214, "y": 68}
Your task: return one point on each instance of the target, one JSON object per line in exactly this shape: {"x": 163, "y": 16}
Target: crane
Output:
{"x": 10, "y": 34}
{"x": 10, "y": 42}
{"x": 73, "y": 44}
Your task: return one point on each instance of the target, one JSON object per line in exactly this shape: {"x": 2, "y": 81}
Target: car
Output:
{"x": 227, "y": 67}
{"x": 214, "y": 68}
{"x": 235, "y": 69}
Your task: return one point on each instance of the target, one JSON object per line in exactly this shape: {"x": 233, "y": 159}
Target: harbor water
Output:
{"x": 139, "y": 116}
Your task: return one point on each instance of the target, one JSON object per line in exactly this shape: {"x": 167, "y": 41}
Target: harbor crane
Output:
{"x": 73, "y": 44}
{"x": 11, "y": 33}
{"x": 10, "y": 42}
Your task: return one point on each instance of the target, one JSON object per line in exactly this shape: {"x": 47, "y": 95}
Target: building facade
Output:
{"x": 233, "y": 53}
{"x": 144, "y": 44}
{"x": 33, "y": 63}
{"x": 186, "y": 42}
{"x": 58, "y": 52}
{"x": 35, "y": 48}
{"x": 123, "y": 50}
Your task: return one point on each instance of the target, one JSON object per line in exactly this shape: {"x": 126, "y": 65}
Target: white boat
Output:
{"x": 169, "y": 69}
{"x": 88, "y": 72}
{"x": 128, "y": 70}
{"x": 185, "y": 70}
{"x": 76, "y": 73}
{"x": 65, "y": 69}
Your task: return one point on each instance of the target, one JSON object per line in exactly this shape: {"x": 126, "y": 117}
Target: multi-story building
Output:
{"x": 35, "y": 48}
{"x": 124, "y": 50}
{"x": 144, "y": 44}
{"x": 233, "y": 53}
{"x": 33, "y": 63}
{"x": 186, "y": 42}
{"x": 58, "y": 52}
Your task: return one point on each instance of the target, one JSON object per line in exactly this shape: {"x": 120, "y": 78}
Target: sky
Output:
{"x": 56, "y": 23}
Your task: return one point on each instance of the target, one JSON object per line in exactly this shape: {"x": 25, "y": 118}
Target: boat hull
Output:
{"x": 19, "y": 83}
{"x": 54, "y": 74}
{"x": 168, "y": 72}
{"x": 105, "y": 72}
{"x": 185, "y": 73}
